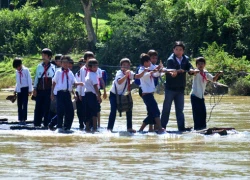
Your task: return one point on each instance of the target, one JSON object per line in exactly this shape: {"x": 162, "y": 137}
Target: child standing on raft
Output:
{"x": 92, "y": 94}
{"x": 63, "y": 82}
{"x": 23, "y": 89}
{"x": 148, "y": 87}
{"x": 197, "y": 93}
{"x": 121, "y": 82}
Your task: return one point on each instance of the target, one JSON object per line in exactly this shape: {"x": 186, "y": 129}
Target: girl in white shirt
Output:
{"x": 23, "y": 89}
{"x": 200, "y": 80}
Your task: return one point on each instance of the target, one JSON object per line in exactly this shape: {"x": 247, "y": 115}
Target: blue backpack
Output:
{"x": 137, "y": 81}
{"x": 105, "y": 78}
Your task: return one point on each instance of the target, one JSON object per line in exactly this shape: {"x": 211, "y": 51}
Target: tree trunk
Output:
{"x": 86, "y": 4}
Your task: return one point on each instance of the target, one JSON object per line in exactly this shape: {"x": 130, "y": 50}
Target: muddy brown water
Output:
{"x": 46, "y": 155}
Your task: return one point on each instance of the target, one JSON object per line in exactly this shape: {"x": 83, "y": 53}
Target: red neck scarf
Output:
{"x": 128, "y": 80}
{"x": 20, "y": 75}
{"x": 45, "y": 67}
{"x": 204, "y": 78}
{"x": 65, "y": 71}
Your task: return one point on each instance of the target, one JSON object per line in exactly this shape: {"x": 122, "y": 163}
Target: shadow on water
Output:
{"x": 47, "y": 155}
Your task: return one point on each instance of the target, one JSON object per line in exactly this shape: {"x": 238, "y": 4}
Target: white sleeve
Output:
{"x": 36, "y": 77}
{"x": 56, "y": 77}
{"x": 99, "y": 73}
{"x": 209, "y": 76}
{"x": 29, "y": 80}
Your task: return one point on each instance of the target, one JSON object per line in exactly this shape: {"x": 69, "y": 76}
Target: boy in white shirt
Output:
{"x": 148, "y": 87}
{"x": 63, "y": 82}
{"x": 92, "y": 94}
{"x": 89, "y": 55}
{"x": 42, "y": 88}
{"x": 122, "y": 83}
{"x": 80, "y": 105}
{"x": 23, "y": 89}
{"x": 197, "y": 93}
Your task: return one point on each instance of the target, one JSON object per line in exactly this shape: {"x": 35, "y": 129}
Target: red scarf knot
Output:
{"x": 204, "y": 77}
{"x": 20, "y": 75}
{"x": 65, "y": 71}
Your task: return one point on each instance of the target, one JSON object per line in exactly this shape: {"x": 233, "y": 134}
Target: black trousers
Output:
{"x": 22, "y": 103}
{"x": 42, "y": 107}
{"x": 64, "y": 109}
{"x": 199, "y": 112}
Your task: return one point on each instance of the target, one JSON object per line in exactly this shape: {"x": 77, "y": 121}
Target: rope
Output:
{"x": 213, "y": 95}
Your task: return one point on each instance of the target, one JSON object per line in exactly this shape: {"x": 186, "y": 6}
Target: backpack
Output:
{"x": 105, "y": 78}
{"x": 137, "y": 81}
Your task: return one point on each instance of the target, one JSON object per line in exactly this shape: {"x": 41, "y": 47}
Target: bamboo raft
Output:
{"x": 14, "y": 125}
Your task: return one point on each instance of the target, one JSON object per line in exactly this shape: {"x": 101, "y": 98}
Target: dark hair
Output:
{"x": 17, "y": 62}
{"x": 144, "y": 58}
{"x": 152, "y": 52}
{"x": 65, "y": 58}
{"x": 81, "y": 61}
{"x": 71, "y": 61}
{"x": 53, "y": 62}
{"x": 124, "y": 60}
{"x": 47, "y": 51}
{"x": 200, "y": 59}
{"x": 179, "y": 43}
{"x": 92, "y": 62}
{"x": 88, "y": 54}
{"x": 58, "y": 57}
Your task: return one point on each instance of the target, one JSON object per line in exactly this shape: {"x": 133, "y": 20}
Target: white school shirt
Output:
{"x": 199, "y": 86}
{"x": 78, "y": 76}
{"x": 25, "y": 80}
{"x": 83, "y": 73}
{"x": 121, "y": 87}
{"x": 56, "y": 69}
{"x": 99, "y": 74}
{"x": 91, "y": 79}
{"x": 39, "y": 71}
{"x": 62, "y": 84}
{"x": 147, "y": 80}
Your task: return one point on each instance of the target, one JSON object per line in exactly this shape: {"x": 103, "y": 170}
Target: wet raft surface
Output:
{"x": 46, "y": 155}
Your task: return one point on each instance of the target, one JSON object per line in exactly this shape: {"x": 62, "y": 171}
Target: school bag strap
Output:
{"x": 118, "y": 98}
{"x": 39, "y": 79}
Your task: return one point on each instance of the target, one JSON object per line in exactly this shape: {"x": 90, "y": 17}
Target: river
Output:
{"x": 46, "y": 155}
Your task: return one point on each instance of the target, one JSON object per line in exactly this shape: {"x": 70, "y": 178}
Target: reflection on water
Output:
{"x": 46, "y": 155}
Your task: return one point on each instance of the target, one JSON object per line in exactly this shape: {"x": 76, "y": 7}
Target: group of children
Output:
{"x": 54, "y": 83}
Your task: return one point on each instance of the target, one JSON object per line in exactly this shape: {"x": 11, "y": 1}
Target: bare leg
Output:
{"x": 158, "y": 123}
{"x": 87, "y": 129}
{"x": 142, "y": 126}
{"x": 99, "y": 119}
{"x": 94, "y": 119}
{"x": 150, "y": 128}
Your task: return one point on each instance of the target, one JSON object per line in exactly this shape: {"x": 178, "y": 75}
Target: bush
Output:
{"x": 219, "y": 60}
{"x": 28, "y": 30}
{"x": 241, "y": 87}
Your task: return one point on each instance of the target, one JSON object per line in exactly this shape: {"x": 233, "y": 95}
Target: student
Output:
{"x": 153, "y": 59}
{"x": 197, "y": 93}
{"x": 80, "y": 106}
{"x": 148, "y": 87}
{"x": 122, "y": 83}
{"x": 52, "y": 112}
{"x": 92, "y": 94}
{"x": 88, "y": 55}
{"x": 63, "y": 81}
{"x": 42, "y": 88}
{"x": 23, "y": 89}
{"x": 58, "y": 63}
{"x": 175, "y": 85}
